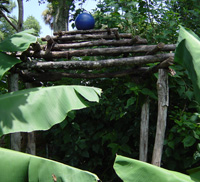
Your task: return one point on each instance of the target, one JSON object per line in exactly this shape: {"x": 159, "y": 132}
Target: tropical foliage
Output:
{"x": 113, "y": 125}
{"x": 26, "y": 168}
{"x": 130, "y": 170}
{"x": 90, "y": 138}
{"x": 37, "y": 109}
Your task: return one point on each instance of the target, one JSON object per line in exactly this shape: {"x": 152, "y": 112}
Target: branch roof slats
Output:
{"x": 98, "y": 51}
{"x": 127, "y": 52}
{"x": 89, "y": 65}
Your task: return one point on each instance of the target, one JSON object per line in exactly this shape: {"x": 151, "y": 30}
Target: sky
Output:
{"x": 32, "y": 8}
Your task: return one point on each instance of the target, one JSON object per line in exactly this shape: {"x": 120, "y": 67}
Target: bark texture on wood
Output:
{"x": 16, "y": 138}
{"x": 144, "y": 130}
{"x": 163, "y": 102}
{"x": 97, "y": 51}
{"x": 130, "y": 61}
{"x": 89, "y": 37}
{"x": 20, "y": 15}
{"x": 61, "y": 18}
{"x": 55, "y": 76}
{"x": 60, "y": 33}
{"x": 122, "y": 42}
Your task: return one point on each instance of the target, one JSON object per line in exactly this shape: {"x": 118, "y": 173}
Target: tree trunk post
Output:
{"x": 31, "y": 146}
{"x": 163, "y": 102}
{"x": 15, "y": 137}
{"x": 144, "y": 129}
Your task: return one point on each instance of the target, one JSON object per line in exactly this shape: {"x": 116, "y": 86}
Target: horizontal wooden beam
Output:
{"x": 138, "y": 72}
{"x": 55, "y": 76}
{"x": 98, "y": 51}
{"x": 70, "y": 65}
{"x": 102, "y": 42}
{"x": 66, "y": 38}
{"x": 85, "y": 31}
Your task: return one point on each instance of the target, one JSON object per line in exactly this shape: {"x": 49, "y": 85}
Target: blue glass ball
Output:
{"x": 84, "y": 21}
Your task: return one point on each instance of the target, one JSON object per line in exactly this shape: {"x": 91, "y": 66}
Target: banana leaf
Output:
{"x": 20, "y": 167}
{"x": 17, "y": 42}
{"x": 41, "y": 108}
{"x": 195, "y": 173}
{"x": 131, "y": 170}
{"x": 188, "y": 54}
{"x": 7, "y": 62}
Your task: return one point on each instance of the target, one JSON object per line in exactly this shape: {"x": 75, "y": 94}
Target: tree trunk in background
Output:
{"x": 16, "y": 138}
{"x": 144, "y": 129}
{"x": 62, "y": 15}
{"x": 20, "y": 15}
{"x": 163, "y": 102}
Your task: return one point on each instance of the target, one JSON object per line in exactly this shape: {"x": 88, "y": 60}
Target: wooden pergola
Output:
{"x": 63, "y": 54}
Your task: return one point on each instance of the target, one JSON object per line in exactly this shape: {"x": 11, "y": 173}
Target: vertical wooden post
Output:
{"x": 31, "y": 146}
{"x": 15, "y": 137}
{"x": 144, "y": 129}
{"x": 163, "y": 102}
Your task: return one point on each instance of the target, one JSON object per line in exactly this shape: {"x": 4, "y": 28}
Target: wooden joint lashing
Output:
{"x": 60, "y": 33}
{"x": 164, "y": 64}
{"x": 109, "y": 31}
{"x": 36, "y": 47}
{"x": 138, "y": 40}
{"x": 68, "y": 57}
{"x": 116, "y": 33}
{"x": 50, "y": 44}
{"x": 49, "y": 39}
{"x": 156, "y": 49}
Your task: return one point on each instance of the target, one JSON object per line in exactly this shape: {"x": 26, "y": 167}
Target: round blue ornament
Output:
{"x": 84, "y": 21}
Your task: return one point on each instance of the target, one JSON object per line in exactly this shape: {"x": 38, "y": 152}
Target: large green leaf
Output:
{"x": 131, "y": 170}
{"x": 18, "y": 42}
{"x": 195, "y": 174}
{"x": 7, "y": 62}
{"x": 41, "y": 108}
{"x": 20, "y": 167}
{"x": 188, "y": 54}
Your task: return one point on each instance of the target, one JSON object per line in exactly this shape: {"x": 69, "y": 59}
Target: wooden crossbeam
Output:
{"x": 98, "y": 51}
{"x": 70, "y": 65}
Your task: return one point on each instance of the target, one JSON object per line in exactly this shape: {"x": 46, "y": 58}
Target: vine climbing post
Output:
{"x": 163, "y": 102}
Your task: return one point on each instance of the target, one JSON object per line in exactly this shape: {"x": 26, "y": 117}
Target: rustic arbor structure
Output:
{"x": 107, "y": 48}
